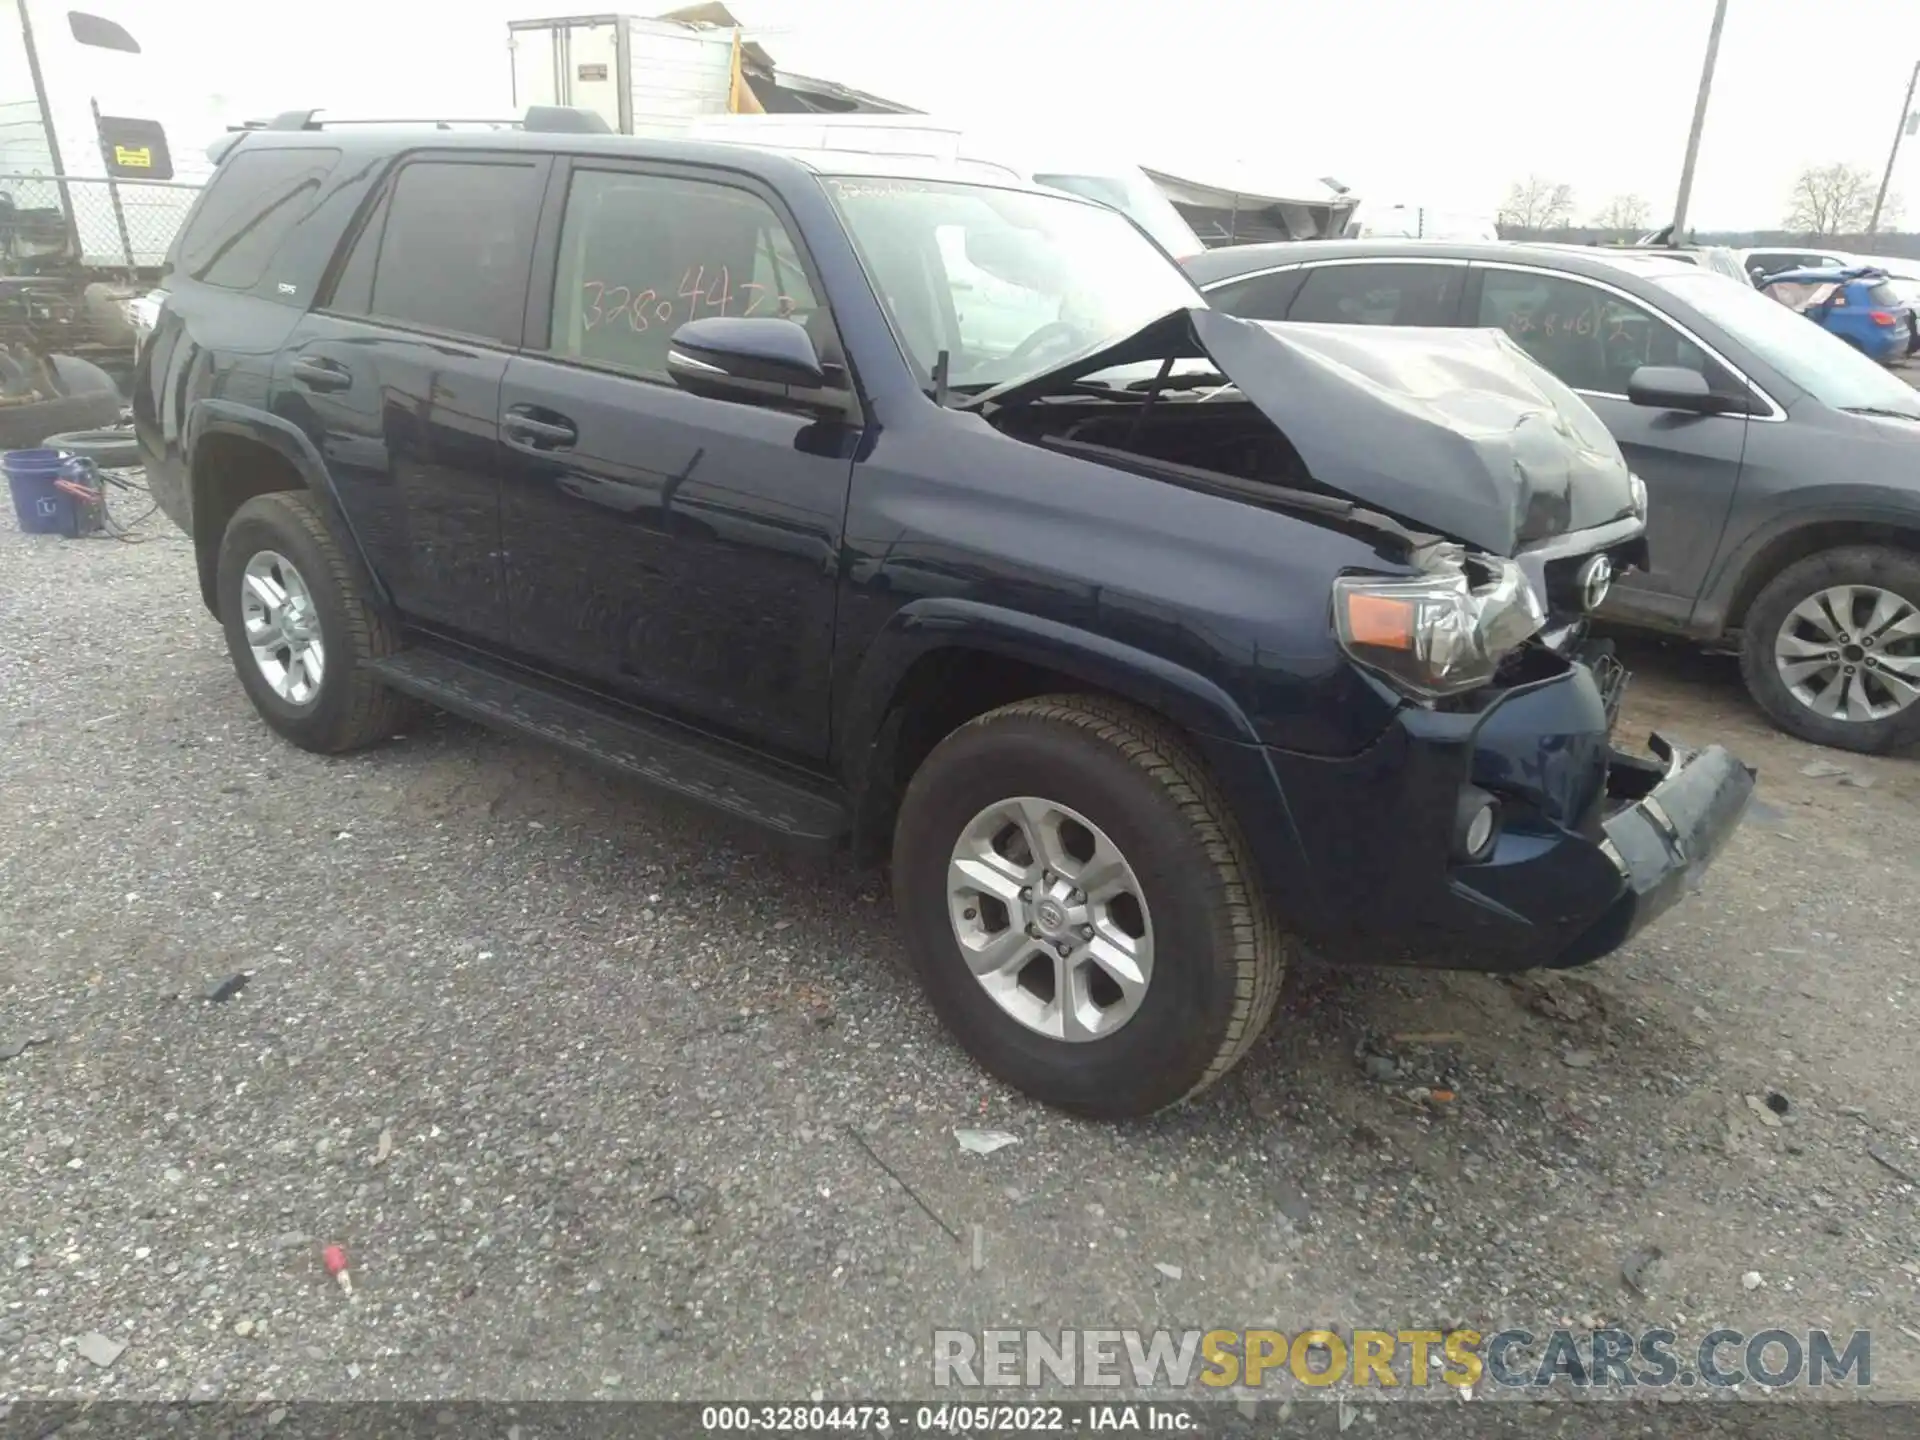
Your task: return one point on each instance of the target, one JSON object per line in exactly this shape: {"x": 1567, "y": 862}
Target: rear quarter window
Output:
{"x": 251, "y": 205}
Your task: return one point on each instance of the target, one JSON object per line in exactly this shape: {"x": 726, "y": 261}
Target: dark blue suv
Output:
{"x": 1142, "y": 641}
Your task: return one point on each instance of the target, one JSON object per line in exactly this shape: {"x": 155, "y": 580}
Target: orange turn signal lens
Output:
{"x": 1384, "y": 621}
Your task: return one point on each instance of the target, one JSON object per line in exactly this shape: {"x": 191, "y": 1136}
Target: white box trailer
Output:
{"x": 643, "y": 77}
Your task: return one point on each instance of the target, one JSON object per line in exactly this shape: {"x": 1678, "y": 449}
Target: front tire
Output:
{"x": 1831, "y": 648}
{"x": 1080, "y": 908}
{"x": 300, "y": 634}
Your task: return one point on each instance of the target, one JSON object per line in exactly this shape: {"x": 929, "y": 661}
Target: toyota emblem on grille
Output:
{"x": 1596, "y": 578}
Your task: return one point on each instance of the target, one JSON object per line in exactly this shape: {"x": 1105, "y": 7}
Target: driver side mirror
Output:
{"x": 757, "y": 361}
{"x": 1674, "y": 387}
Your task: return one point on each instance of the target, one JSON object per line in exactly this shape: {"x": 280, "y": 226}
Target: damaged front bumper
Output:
{"x": 1594, "y": 842}
{"x": 1675, "y": 817}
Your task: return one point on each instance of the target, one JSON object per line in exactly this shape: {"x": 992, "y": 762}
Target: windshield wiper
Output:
{"x": 1187, "y": 380}
{"x": 1881, "y": 410}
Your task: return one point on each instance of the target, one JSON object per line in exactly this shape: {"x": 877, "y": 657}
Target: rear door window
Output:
{"x": 249, "y": 207}
{"x": 1259, "y": 297}
{"x": 448, "y": 249}
{"x": 1384, "y": 294}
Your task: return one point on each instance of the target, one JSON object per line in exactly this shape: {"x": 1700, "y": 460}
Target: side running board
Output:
{"x": 791, "y": 804}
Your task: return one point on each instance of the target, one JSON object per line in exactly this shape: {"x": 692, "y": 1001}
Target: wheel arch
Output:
{"x": 941, "y": 662}
{"x": 236, "y": 452}
{"x": 1793, "y": 538}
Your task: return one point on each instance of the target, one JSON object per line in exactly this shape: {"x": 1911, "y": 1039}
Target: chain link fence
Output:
{"x": 73, "y": 252}
{"x": 116, "y": 225}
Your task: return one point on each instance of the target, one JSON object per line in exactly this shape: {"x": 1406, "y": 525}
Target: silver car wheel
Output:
{"x": 1050, "y": 918}
{"x": 283, "y": 628}
{"x": 1851, "y": 652}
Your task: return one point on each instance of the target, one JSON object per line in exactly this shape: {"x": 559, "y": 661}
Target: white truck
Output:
{"x": 101, "y": 147}
{"x": 101, "y": 156}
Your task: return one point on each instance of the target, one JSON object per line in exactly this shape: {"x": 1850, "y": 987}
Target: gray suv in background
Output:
{"x": 1782, "y": 467}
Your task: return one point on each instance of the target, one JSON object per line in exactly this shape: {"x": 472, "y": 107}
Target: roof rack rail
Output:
{"x": 547, "y": 119}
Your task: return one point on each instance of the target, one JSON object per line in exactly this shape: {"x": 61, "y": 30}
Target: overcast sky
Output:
{"x": 1436, "y": 102}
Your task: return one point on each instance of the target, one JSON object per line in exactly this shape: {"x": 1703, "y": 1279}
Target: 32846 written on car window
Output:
{"x": 448, "y": 249}
{"x": 1591, "y": 339}
{"x": 640, "y": 255}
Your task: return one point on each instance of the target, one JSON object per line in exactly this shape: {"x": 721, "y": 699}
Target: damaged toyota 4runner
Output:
{"x": 1143, "y": 642}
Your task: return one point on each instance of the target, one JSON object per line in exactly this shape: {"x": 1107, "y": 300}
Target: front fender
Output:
{"x": 1218, "y": 727}
{"x": 208, "y": 418}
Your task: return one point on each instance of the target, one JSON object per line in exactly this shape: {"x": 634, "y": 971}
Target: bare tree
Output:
{"x": 1834, "y": 199}
{"x": 1623, "y": 212}
{"x": 1537, "y": 204}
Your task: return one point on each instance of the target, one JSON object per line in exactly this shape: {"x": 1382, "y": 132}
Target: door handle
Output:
{"x": 529, "y": 432}
{"x": 323, "y": 375}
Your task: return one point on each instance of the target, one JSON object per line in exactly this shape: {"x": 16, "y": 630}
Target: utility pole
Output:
{"x": 1699, "y": 123}
{"x": 1886, "y": 179}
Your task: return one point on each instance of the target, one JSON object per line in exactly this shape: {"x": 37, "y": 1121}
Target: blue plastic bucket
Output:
{"x": 40, "y": 505}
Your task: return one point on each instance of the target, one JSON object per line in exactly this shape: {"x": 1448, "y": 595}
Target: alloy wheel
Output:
{"x": 1851, "y": 652}
{"x": 283, "y": 627}
{"x": 1050, "y": 918}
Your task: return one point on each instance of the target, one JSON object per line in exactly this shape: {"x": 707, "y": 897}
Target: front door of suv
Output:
{"x": 395, "y": 377}
{"x": 680, "y": 551}
{"x": 1593, "y": 337}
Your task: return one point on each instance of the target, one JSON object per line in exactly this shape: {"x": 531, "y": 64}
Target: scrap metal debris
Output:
{"x": 984, "y": 1142}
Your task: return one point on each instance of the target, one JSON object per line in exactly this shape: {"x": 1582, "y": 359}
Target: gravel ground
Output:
{"x": 604, "y": 1099}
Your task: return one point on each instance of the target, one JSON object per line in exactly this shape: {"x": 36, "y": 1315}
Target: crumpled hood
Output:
{"x": 1457, "y": 431}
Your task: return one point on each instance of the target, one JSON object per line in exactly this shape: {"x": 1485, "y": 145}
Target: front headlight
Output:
{"x": 1437, "y": 634}
{"x": 1638, "y": 489}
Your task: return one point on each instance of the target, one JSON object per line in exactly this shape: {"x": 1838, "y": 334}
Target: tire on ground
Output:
{"x": 115, "y": 449}
{"x": 1217, "y": 955}
{"x": 353, "y": 709}
{"x": 1897, "y": 571}
{"x": 27, "y": 425}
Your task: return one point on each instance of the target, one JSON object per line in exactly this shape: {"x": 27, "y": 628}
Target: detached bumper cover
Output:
{"x": 1663, "y": 841}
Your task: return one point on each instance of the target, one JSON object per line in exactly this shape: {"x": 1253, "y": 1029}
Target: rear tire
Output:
{"x": 1790, "y": 632}
{"x": 1097, "y": 780}
{"x": 327, "y": 702}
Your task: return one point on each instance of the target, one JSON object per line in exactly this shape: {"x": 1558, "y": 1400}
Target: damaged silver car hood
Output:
{"x": 1457, "y": 431}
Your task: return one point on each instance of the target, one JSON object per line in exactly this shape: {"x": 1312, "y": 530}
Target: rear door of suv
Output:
{"x": 395, "y": 376}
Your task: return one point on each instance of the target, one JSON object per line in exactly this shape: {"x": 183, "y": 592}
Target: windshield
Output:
{"x": 1140, "y": 200}
{"x": 1006, "y": 283}
{"x": 1822, "y": 364}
